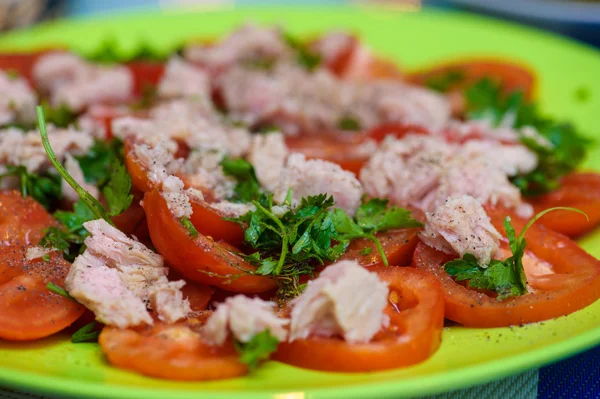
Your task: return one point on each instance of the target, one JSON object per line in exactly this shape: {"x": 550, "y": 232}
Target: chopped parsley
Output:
{"x": 259, "y": 348}
{"x": 69, "y": 238}
{"x": 349, "y": 124}
{"x": 97, "y": 165}
{"x": 247, "y": 188}
{"x": 291, "y": 242}
{"x": 87, "y": 333}
{"x": 507, "y": 277}
{"x": 306, "y": 57}
{"x": 444, "y": 81}
{"x": 568, "y": 146}
{"x": 45, "y": 188}
{"x": 60, "y": 116}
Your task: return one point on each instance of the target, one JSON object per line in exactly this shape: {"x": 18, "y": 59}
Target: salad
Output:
{"x": 262, "y": 197}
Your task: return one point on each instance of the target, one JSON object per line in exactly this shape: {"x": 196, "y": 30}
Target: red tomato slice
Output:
{"x": 22, "y": 63}
{"x": 174, "y": 352}
{"x": 27, "y": 309}
{"x": 413, "y": 335}
{"x": 145, "y": 74}
{"x": 512, "y": 76}
{"x": 199, "y": 259}
{"x": 398, "y": 246}
{"x": 573, "y": 284}
{"x": 577, "y": 190}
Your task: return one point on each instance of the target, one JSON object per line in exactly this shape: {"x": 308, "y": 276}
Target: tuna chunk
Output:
{"x": 345, "y": 300}
{"x": 76, "y": 83}
{"x": 158, "y": 160}
{"x": 177, "y": 198}
{"x": 182, "y": 79}
{"x": 72, "y": 166}
{"x": 460, "y": 225}
{"x": 247, "y": 44}
{"x": 18, "y": 148}
{"x": 37, "y": 252}
{"x": 18, "y": 101}
{"x": 205, "y": 173}
{"x": 267, "y": 155}
{"x": 244, "y": 318}
{"x": 233, "y": 209}
{"x": 314, "y": 176}
{"x": 510, "y": 159}
{"x": 117, "y": 276}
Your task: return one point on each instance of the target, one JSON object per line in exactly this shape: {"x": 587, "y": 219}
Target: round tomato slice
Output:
{"x": 21, "y": 63}
{"x": 28, "y": 310}
{"x": 398, "y": 246}
{"x": 512, "y": 77}
{"x": 416, "y": 311}
{"x": 22, "y": 219}
{"x": 577, "y": 190}
{"x": 572, "y": 282}
{"x": 199, "y": 259}
{"x": 174, "y": 352}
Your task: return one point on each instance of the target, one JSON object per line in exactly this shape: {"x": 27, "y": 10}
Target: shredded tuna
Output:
{"x": 345, "y": 300}
{"x": 314, "y": 176}
{"x": 460, "y": 225}
{"x": 158, "y": 160}
{"x": 37, "y": 252}
{"x": 73, "y": 168}
{"x": 177, "y": 199}
{"x": 511, "y": 159}
{"x": 267, "y": 155}
{"x": 233, "y": 209}
{"x": 117, "y": 276}
{"x": 243, "y": 317}
{"x": 204, "y": 171}
{"x": 182, "y": 79}
{"x": 76, "y": 83}
{"x": 245, "y": 45}
{"x": 18, "y": 100}
{"x": 19, "y": 148}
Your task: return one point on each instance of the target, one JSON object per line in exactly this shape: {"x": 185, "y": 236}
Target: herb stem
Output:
{"x": 542, "y": 213}
{"x": 379, "y": 248}
{"x": 92, "y": 203}
{"x": 284, "y": 237}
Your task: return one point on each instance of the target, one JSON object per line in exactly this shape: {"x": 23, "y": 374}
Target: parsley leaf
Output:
{"x": 507, "y": 278}
{"x": 247, "y": 189}
{"x": 305, "y": 56}
{"x": 86, "y": 333}
{"x": 44, "y": 188}
{"x": 257, "y": 349}
{"x": 349, "y": 123}
{"x": 372, "y": 217}
{"x": 568, "y": 147}
{"x": 118, "y": 190}
{"x": 97, "y": 164}
{"x": 60, "y": 116}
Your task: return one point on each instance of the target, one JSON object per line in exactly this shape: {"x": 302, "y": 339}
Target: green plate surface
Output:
{"x": 467, "y": 356}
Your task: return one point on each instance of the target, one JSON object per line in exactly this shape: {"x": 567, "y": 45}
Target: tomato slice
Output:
{"x": 416, "y": 312}
{"x": 27, "y": 309}
{"x": 349, "y": 150}
{"x": 577, "y": 190}
{"x": 174, "y": 352}
{"x": 398, "y": 246}
{"x": 22, "y": 219}
{"x": 512, "y": 76}
{"x": 199, "y": 259}
{"x": 145, "y": 74}
{"x": 22, "y": 63}
{"x": 573, "y": 282}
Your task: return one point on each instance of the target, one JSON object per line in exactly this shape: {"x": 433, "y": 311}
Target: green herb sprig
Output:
{"x": 507, "y": 277}
{"x": 259, "y": 348}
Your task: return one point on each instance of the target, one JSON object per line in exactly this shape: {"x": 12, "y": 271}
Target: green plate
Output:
{"x": 467, "y": 356}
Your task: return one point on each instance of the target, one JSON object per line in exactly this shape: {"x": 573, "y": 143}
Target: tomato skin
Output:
{"x": 199, "y": 259}
{"x": 414, "y": 333}
{"x": 512, "y": 76}
{"x": 145, "y": 73}
{"x": 398, "y": 245}
{"x": 22, "y": 63}
{"x": 579, "y": 190}
{"x": 28, "y": 310}
{"x": 174, "y": 352}
{"x": 575, "y": 284}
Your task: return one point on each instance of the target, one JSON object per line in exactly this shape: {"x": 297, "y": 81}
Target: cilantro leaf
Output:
{"x": 247, "y": 189}
{"x": 69, "y": 239}
{"x": 374, "y": 215}
{"x": 305, "y": 57}
{"x": 97, "y": 164}
{"x": 60, "y": 116}
{"x": 44, "y": 188}
{"x": 87, "y": 333}
{"x": 568, "y": 147}
{"x": 349, "y": 124}
{"x": 259, "y": 348}
{"x": 118, "y": 190}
